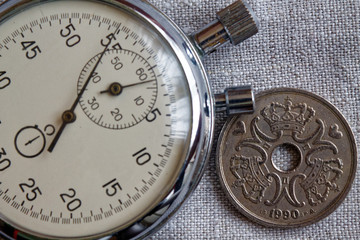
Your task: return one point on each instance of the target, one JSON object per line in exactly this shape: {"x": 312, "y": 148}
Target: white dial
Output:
{"x": 62, "y": 66}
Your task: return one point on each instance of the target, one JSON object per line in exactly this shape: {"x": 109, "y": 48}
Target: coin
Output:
{"x": 291, "y": 162}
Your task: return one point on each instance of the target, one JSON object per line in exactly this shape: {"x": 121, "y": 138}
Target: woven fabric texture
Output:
{"x": 310, "y": 44}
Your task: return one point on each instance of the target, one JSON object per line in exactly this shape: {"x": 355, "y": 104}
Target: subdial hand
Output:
{"x": 115, "y": 89}
{"x": 69, "y": 116}
{"x": 30, "y": 141}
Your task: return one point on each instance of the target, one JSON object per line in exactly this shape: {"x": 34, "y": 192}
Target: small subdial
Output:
{"x": 30, "y": 141}
{"x": 122, "y": 90}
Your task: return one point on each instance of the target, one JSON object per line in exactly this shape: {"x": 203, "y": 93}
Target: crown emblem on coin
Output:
{"x": 287, "y": 116}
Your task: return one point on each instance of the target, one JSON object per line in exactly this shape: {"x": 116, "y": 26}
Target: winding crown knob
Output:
{"x": 239, "y": 21}
{"x": 234, "y": 24}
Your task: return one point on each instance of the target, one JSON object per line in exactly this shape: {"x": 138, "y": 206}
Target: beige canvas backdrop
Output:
{"x": 307, "y": 44}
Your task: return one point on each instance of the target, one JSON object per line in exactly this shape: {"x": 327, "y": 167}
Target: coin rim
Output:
{"x": 316, "y": 217}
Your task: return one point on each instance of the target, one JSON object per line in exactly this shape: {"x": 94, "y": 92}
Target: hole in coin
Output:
{"x": 286, "y": 157}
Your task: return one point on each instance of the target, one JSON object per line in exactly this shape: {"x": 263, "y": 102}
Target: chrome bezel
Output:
{"x": 202, "y": 115}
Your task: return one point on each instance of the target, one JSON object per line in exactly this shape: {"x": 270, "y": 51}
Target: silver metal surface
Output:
{"x": 202, "y": 116}
{"x": 235, "y": 100}
{"x": 234, "y": 24}
{"x": 291, "y": 162}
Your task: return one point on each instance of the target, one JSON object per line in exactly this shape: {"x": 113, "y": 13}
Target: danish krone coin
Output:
{"x": 291, "y": 162}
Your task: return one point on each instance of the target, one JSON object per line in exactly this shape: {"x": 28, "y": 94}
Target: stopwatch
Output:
{"x": 106, "y": 115}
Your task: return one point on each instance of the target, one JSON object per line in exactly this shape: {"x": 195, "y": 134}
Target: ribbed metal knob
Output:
{"x": 235, "y": 100}
{"x": 234, "y": 24}
{"x": 238, "y": 21}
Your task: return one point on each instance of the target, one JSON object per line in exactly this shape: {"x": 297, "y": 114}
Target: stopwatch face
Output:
{"x": 96, "y": 118}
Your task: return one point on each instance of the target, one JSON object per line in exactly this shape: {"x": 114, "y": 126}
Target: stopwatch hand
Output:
{"x": 69, "y": 116}
{"x": 115, "y": 89}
